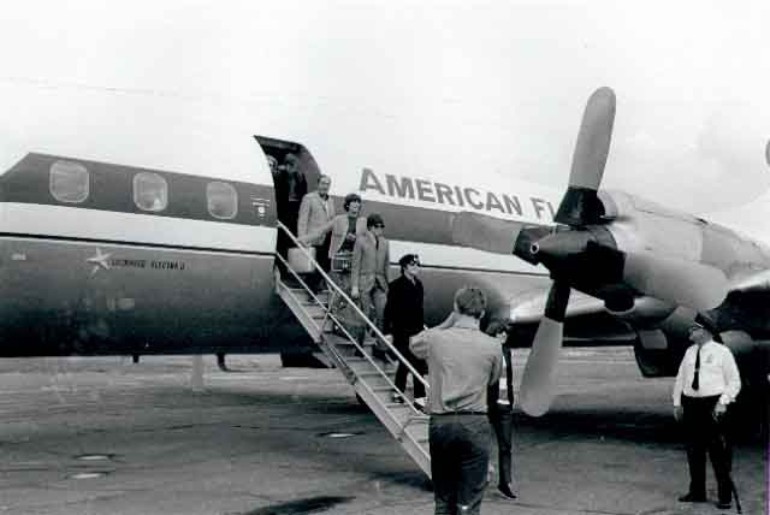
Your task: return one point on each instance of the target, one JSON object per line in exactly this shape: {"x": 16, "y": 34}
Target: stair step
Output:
{"x": 304, "y": 295}
{"x": 400, "y": 419}
{"x": 384, "y": 388}
{"x": 366, "y": 375}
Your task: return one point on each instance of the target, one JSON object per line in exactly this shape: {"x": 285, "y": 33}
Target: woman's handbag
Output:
{"x": 342, "y": 261}
{"x": 299, "y": 262}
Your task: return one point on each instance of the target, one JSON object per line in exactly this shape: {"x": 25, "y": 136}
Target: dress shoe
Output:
{"x": 506, "y": 491}
{"x": 724, "y": 505}
{"x": 690, "y": 497}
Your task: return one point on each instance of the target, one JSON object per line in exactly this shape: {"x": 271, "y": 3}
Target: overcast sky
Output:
{"x": 449, "y": 85}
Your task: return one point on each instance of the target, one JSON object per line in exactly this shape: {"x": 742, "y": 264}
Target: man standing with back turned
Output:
{"x": 707, "y": 382}
{"x": 462, "y": 363}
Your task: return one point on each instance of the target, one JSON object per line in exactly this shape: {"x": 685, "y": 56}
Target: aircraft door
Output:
{"x": 294, "y": 173}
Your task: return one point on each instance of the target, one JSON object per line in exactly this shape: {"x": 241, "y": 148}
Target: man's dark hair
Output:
{"x": 349, "y": 198}
{"x": 471, "y": 301}
{"x": 374, "y": 220}
{"x": 408, "y": 259}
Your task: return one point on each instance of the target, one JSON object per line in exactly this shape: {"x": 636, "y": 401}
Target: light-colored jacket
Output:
{"x": 339, "y": 228}
{"x": 370, "y": 263}
{"x": 314, "y": 214}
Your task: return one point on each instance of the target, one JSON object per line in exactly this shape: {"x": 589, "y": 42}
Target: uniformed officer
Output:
{"x": 707, "y": 382}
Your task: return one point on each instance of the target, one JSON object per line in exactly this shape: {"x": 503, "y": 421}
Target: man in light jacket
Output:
{"x": 315, "y": 212}
{"x": 369, "y": 269}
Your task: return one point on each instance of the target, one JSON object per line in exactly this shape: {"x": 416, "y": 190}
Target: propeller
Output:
{"x": 584, "y": 254}
{"x": 538, "y": 382}
{"x": 579, "y": 207}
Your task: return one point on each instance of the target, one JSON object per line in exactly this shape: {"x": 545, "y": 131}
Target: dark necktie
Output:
{"x": 696, "y": 378}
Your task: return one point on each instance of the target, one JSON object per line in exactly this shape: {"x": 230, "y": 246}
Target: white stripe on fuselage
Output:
{"x": 447, "y": 256}
{"x": 66, "y": 222}
{"x": 78, "y": 223}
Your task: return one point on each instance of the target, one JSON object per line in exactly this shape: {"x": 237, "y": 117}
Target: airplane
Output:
{"x": 139, "y": 214}
{"x": 129, "y": 239}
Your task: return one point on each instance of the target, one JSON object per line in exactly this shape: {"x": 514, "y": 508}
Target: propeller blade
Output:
{"x": 767, "y": 152}
{"x": 695, "y": 285}
{"x": 593, "y": 143}
{"x": 494, "y": 235}
{"x": 539, "y": 379}
{"x": 484, "y": 232}
{"x": 580, "y": 205}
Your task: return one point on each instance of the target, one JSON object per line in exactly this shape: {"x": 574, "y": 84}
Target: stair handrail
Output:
{"x": 353, "y": 340}
{"x": 415, "y": 374}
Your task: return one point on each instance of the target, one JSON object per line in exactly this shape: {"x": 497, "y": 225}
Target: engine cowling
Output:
{"x": 639, "y": 225}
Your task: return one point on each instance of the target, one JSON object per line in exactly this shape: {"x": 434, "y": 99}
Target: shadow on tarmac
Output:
{"x": 301, "y": 506}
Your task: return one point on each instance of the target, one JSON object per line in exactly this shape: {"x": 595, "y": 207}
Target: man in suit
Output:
{"x": 404, "y": 317}
{"x": 290, "y": 187}
{"x": 369, "y": 269}
{"x": 315, "y": 212}
{"x": 500, "y": 412}
{"x": 707, "y": 383}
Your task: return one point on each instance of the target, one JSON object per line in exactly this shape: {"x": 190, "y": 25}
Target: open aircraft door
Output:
{"x": 290, "y": 182}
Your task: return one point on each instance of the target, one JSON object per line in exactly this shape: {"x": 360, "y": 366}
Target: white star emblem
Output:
{"x": 99, "y": 261}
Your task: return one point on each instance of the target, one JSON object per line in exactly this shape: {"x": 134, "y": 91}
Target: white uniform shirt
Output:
{"x": 718, "y": 374}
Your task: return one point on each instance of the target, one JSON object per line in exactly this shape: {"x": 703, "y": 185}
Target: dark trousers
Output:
{"x": 704, "y": 433}
{"x": 401, "y": 343}
{"x": 288, "y": 214}
{"x": 316, "y": 280}
{"x": 502, "y": 422}
{"x": 459, "y": 454}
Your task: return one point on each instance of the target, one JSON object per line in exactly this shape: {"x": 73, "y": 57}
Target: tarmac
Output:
{"x": 106, "y": 436}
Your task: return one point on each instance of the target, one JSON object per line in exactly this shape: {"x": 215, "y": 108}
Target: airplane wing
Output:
{"x": 587, "y": 321}
{"x": 757, "y": 282}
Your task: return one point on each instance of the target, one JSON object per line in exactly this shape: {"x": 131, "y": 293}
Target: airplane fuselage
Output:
{"x": 107, "y": 257}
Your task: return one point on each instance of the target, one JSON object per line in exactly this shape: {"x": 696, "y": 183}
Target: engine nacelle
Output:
{"x": 656, "y": 355}
{"x": 659, "y": 350}
{"x": 639, "y": 225}
{"x": 640, "y": 311}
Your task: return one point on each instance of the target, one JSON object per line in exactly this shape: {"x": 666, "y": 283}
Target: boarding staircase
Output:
{"x": 371, "y": 381}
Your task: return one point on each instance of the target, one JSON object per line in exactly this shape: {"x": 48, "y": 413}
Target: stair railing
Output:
{"x": 339, "y": 292}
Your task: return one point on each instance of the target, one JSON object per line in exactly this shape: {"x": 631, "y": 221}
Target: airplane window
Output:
{"x": 222, "y": 200}
{"x": 150, "y": 191}
{"x": 68, "y": 181}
